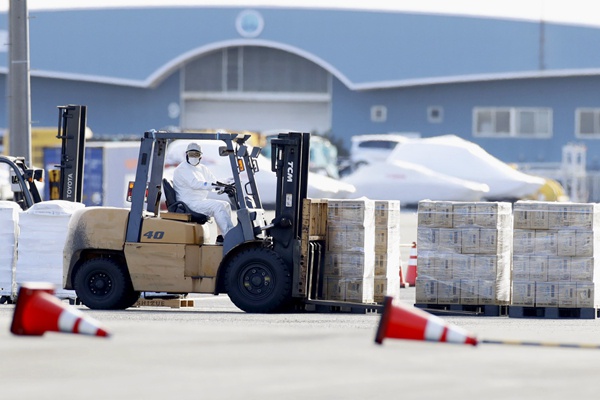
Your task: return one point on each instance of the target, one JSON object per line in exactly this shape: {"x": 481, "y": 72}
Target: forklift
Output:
{"x": 65, "y": 183}
{"x": 111, "y": 255}
{"x": 22, "y": 181}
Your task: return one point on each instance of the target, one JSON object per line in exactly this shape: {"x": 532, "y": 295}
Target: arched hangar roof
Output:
{"x": 363, "y": 49}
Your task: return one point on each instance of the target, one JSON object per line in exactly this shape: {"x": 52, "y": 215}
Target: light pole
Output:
{"x": 19, "y": 105}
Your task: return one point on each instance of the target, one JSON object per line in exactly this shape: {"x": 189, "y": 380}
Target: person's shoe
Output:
{"x": 220, "y": 239}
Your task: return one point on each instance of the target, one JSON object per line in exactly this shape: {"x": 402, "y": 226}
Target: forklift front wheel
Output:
{"x": 259, "y": 281}
{"x": 101, "y": 284}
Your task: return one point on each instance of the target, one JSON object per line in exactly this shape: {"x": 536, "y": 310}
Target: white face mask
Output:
{"x": 194, "y": 161}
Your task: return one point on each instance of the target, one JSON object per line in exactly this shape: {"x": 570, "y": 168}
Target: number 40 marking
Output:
{"x": 154, "y": 235}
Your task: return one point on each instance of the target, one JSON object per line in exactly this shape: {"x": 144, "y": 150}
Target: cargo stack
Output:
{"x": 42, "y": 235}
{"x": 463, "y": 253}
{"x": 555, "y": 261}
{"x": 9, "y": 229}
{"x": 387, "y": 249}
{"x": 350, "y": 256}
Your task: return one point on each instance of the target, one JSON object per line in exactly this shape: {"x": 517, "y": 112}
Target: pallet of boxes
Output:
{"x": 555, "y": 261}
{"x": 388, "y": 260}
{"x": 464, "y": 258}
{"x": 350, "y": 273}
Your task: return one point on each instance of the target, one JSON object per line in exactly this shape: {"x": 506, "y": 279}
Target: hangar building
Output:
{"x": 520, "y": 88}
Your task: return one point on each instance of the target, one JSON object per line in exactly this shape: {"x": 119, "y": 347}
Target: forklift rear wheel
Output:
{"x": 102, "y": 285}
{"x": 259, "y": 281}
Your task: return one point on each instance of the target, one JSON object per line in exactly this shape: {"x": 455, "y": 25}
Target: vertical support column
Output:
{"x": 19, "y": 104}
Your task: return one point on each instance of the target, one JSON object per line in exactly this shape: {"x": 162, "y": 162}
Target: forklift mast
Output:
{"x": 72, "y": 121}
{"x": 289, "y": 160}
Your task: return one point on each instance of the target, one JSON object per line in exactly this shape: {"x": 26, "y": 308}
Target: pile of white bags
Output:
{"x": 43, "y": 231}
{"x": 9, "y": 231}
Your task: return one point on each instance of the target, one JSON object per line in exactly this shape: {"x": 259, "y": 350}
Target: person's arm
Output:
{"x": 191, "y": 180}
{"x": 201, "y": 184}
{"x": 208, "y": 175}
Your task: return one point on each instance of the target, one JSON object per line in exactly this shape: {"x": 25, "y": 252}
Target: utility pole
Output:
{"x": 19, "y": 105}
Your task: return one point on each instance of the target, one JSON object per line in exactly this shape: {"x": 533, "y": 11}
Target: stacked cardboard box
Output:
{"x": 555, "y": 262}
{"x": 387, "y": 249}
{"x": 350, "y": 256}
{"x": 9, "y": 229}
{"x": 464, "y": 252}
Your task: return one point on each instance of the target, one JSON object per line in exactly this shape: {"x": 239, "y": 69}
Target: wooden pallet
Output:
{"x": 172, "y": 303}
{"x": 552, "y": 312}
{"x": 486, "y": 310}
{"x": 314, "y": 227}
{"x": 332, "y": 306}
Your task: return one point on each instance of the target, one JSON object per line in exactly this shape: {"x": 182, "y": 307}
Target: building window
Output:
{"x": 435, "y": 114}
{"x": 378, "y": 113}
{"x": 587, "y": 122}
{"x": 512, "y": 122}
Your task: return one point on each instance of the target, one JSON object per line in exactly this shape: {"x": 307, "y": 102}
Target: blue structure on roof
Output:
{"x": 521, "y": 89}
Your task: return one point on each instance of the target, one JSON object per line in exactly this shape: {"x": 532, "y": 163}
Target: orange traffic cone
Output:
{"x": 38, "y": 311}
{"x": 411, "y": 272}
{"x": 401, "y": 322}
{"x": 403, "y": 283}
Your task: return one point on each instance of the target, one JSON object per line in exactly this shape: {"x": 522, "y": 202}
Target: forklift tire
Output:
{"x": 129, "y": 300}
{"x": 101, "y": 284}
{"x": 257, "y": 280}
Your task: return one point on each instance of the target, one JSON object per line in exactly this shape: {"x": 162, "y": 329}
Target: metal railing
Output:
{"x": 579, "y": 187}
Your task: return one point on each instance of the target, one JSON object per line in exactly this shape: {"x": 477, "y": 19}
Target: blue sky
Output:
{"x": 580, "y": 12}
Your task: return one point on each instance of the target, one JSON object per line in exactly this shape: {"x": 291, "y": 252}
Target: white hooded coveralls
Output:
{"x": 192, "y": 184}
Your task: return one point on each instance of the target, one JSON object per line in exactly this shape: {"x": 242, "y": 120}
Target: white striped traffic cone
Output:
{"x": 38, "y": 311}
{"x": 411, "y": 271}
{"x": 401, "y": 322}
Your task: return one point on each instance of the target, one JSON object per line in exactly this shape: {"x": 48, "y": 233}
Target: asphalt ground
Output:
{"x": 215, "y": 351}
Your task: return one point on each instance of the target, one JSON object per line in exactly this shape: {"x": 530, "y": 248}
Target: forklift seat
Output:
{"x": 179, "y": 206}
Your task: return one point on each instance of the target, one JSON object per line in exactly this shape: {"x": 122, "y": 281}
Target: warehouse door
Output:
{"x": 257, "y": 115}
{"x": 257, "y": 89}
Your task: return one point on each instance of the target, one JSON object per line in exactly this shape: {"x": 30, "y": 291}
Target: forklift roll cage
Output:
{"x": 150, "y": 168}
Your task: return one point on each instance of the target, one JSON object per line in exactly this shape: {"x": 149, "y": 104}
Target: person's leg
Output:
{"x": 220, "y": 211}
{"x": 223, "y": 217}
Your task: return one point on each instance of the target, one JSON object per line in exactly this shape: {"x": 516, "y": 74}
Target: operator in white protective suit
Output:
{"x": 192, "y": 182}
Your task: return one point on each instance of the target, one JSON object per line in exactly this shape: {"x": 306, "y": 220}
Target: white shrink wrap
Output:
{"x": 42, "y": 235}
{"x": 464, "y": 252}
{"x": 9, "y": 231}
